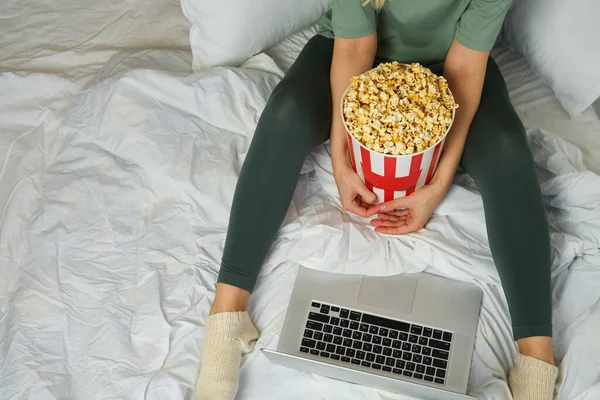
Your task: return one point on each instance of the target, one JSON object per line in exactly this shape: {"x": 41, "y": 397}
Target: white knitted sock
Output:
{"x": 229, "y": 335}
{"x": 532, "y": 379}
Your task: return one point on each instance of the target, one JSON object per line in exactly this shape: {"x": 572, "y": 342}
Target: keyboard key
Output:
{"x": 316, "y": 326}
{"x": 315, "y": 304}
{"x": 324, "y": 309}
{"x": 440, "y": 354}
{"x": 396, "y": 344}
{"x": 314, "y": 352}
{"x": 418, "y": 376}
{"x": 371, "y": 357}
{"x": 308, "y": 333}
{"x": 324, "y": 354}
{"x": 394, "y": 334}
{"x": 309, "y": 343}
{"x": 330, "y": 348}
{"x": 328, "y": 338}
{"x": 407, "y": 373}
{"x": 437, "y": 344}
{"x": 427, "y": 360}
{"x": 328, "y": 328}
{"x": 439, "y": 380}
{"x": 318, "y": 336}
{"x": 350, "y": 352}
{"x": 410, "y": 366}
{"x": 387, "y": 351}
{"x": 304, "y": 349}
{"x": 338, "y": 340}
{"x": 416, "y": 348}
{"x": 356, "y": 335}
{"x": 429, "y": 378}
{"x": 383, "y": 331}
{"x": 416, "y": 329}
{"x": 413, "y": 338}
{"x": 347, "y": 333}
{"x": 397, "y": 371}
{"x": 334, "y": 321}
{"x": 367, "y": 337}
{"x": 390, "y": 361}
{"x": 365, "y": 364}
{"x": 437, "y": 334}
{"x": 335, "y": 309}
{"x": 380, "y": 360}
{"x": 440, "y": 363}
{"x": 423, "y": 341}
{"x": 341, "y": 350}
{"x": 346, "y": 359}
{"x": 406, "y": 346}
{"x": 357, "y": 345}
{"x": 344, "y": 313}
{"x": 400, "y": 364}
{"x": 407, "y": 356}
{"x": 426, "y": 351}
{"x": 355, "y": 316}
{"x": 360, "y": 355}
{"x": 386, "y": 369}
{"x": 421, "y": 369}
{"x": 385, "y": 322}
{"x": 321, "y": 346}
{"x": 427, "y": 332}
{"x": 344, "y": 323}
{"x": 348, "y": 342}
{"x": 364, "y": 328}
{"x": 373, "y": 330}
{"x": 403, "y": 336}
{"x": 397, "y": 354}
{"x": 356, "y": 362}
{"x": 387, "y": 342}
{"x": 376, "y": 339}
{"x": 377, "y": 349}
{"x": 375, "y": 366}
{"x": 335, "y": 357}
{"x": 440, "y": 373}
{"x": 367, "y": 346}
{"x": 318, "y": 317}
{"x": 337, "y": 330}
{"x": 447, "y": 337}
{"x": 417, "y": 358}
{"x": 354, "y": 325}
{"x": 430, "y": 371}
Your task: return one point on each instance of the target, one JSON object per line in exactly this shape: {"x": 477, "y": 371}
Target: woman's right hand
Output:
{"x": 354, "y": 194}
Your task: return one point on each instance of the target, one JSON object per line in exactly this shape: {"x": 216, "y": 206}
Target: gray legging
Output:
{"x": 298, "y": 117}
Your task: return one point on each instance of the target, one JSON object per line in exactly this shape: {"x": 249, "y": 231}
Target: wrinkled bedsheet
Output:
{"x": 115, "y": 191}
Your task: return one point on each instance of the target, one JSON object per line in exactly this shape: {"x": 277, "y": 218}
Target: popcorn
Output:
{"x": 398, "y": 109}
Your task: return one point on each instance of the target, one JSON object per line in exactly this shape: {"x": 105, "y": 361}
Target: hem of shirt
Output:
{"x": 474, "y": 44}
{"x": 344, "y": 34}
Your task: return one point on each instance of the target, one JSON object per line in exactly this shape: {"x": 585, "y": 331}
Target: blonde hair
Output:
{"x": 377, "y": 3}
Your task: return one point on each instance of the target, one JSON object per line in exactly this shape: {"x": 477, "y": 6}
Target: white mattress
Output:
{"x": 117, "y": 171}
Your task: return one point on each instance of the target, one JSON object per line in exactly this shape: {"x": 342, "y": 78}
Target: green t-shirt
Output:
{"x": 417, "y": 30}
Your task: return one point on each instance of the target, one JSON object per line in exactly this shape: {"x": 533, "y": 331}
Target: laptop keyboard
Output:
{"x": 382, "y": 344}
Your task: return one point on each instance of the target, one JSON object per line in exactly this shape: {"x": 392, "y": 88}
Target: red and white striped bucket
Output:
{"x": 391, "y": 176}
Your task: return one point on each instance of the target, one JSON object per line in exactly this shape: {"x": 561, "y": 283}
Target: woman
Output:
{"x": 452, "y": 37}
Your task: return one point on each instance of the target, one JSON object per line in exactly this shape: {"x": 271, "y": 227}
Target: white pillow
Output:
{"x": 228, "y": 32}
{"x": 561, "y": 41}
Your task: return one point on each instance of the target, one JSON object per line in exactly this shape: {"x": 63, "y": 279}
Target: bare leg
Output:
{"x": 229, "y": 298}
{"x": 539, "y": 347}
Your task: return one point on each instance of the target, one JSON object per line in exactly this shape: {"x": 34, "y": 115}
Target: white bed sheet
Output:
{"x": 115, "y": 190}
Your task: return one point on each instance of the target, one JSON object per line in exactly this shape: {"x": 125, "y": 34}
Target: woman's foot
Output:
{"x": 532, "y": 379}
{"x": 229, "y": 335}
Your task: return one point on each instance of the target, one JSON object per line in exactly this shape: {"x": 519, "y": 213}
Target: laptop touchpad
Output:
{"x": 390, "y": 292}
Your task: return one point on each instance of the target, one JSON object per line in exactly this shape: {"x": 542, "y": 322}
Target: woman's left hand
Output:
{"x": 410, "y": 213}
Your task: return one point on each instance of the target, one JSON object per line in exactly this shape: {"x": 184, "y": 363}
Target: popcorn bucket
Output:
{"x": 392, "y": 176}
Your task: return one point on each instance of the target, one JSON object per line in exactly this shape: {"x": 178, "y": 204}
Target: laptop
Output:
{"x": 412, "y": 334}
